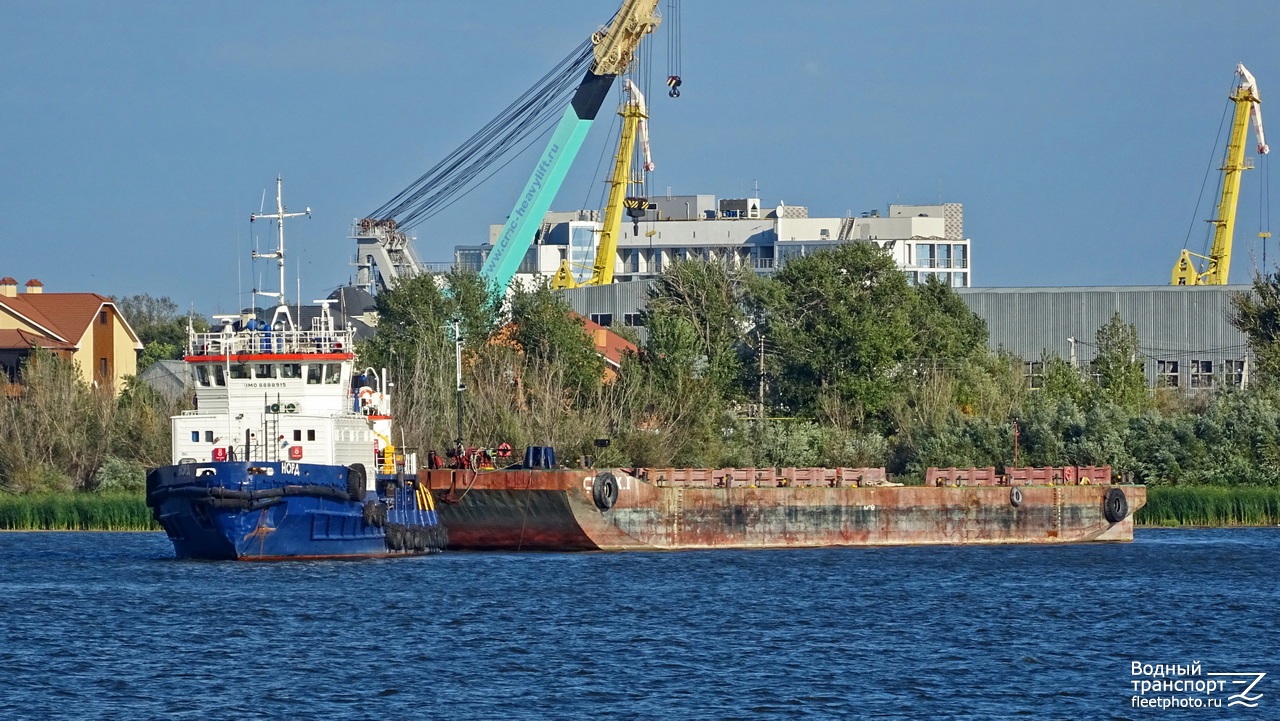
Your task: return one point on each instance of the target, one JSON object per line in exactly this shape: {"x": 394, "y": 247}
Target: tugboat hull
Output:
{"x": 274, "y": 511}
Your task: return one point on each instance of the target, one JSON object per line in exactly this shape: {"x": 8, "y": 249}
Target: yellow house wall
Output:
{"x": 126, "y": 354}
{"x": 10, "y": 322}
{"x": 84, "y": 356}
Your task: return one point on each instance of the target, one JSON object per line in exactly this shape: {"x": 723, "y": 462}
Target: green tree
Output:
{"x": 839, "y": 322}
{"x": 1118, "y": 367}
{"x": 695, "y": 317}
{"x": 161, "y": 330}
{"x": 1257, "y": 315}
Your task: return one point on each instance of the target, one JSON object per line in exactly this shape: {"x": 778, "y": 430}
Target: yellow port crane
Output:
{"x": 1218, "y": 266}
{"x": 634, "y": 126}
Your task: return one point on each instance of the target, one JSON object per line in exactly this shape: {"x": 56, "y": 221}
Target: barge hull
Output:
{"x": 556, "y": 510}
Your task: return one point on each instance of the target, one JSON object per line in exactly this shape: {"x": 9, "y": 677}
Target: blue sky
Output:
{"x": 138, "y": 136}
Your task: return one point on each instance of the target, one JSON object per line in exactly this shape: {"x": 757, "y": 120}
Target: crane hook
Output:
{"x": 674, "y": 82}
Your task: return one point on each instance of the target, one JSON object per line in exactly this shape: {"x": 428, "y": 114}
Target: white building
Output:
{"x": 924, "y": 239}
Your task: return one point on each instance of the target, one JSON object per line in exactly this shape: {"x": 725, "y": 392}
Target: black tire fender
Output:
{"x": 604, "y": 491}
{"x": 1015, "y": 496}
{"x": 1115, "y": 505}
{"x": 356, "y": 480}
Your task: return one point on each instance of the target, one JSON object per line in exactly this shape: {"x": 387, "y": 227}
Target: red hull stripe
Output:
{"x": 263, "y": 357}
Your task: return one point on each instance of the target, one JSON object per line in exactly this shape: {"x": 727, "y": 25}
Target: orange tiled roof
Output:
{"x": 615, "y": 346}
{"x": 65, "y": 315}
{"x": 12, "y": 339}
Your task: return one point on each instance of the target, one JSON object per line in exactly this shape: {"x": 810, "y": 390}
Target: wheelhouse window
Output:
{"x": 219, "y": 376}
{"x": 203, "y": 376}
{"x": 290, "y": 370}
{"x": 264, "y": 370}
{"x": 332, "y": 373}
{"x": 315, "y": 372}
{"x": 239, "y": 371}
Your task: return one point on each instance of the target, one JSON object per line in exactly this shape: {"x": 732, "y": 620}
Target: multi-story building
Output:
{"x": 925, "y": 240}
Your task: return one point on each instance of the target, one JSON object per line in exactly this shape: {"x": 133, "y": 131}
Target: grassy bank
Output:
{"x": 1210, "y": 506}
{"x": 75, "y": 512}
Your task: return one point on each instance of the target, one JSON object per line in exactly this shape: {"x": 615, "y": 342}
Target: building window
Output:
{"x": 530, "y": 262}
{"x": 102, "y": 367}
{"x": 1034, "y": 373}
{"x": 1201, "y": 374}
{"x": 102, "y": 317}
{"x": 602, "y": 319}
{"x": 1167, "y": 373}
{"x": 1233, "y": 373}
{"x": 633, "y": 320}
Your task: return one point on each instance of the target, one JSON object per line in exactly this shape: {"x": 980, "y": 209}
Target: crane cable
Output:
{"x": 529, "y": 115}
{"x": 674, "y": 48}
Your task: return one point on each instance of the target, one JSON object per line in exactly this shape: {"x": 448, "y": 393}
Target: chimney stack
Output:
{"x": 8, "y": 287}
{"x": 34, "y": 287}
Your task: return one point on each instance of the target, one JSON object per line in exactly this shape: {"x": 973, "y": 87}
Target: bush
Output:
{"x": 120, "y": 475}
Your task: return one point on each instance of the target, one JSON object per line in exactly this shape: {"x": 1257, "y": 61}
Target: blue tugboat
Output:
{"x": 289, "y": 453}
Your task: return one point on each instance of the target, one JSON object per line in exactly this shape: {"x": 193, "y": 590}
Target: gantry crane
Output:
{"x": 1218, "y": 266}
{"x": 614, "y": 49}
{"x": 634, "y": 126}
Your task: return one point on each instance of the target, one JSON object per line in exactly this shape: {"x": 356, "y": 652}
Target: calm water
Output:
{"x": 109, "y": 626}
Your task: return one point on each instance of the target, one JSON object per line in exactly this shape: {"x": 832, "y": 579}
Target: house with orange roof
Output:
{"x": 87, "y": 328}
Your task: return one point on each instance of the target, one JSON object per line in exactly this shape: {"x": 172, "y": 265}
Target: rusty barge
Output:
{"x": 559, "y": 509}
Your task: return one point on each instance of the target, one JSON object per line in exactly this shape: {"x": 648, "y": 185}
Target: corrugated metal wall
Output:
{"x": 1174, "y": 324}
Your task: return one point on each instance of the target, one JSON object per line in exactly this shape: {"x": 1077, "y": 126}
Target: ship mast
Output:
{"x": 278, "y": 254}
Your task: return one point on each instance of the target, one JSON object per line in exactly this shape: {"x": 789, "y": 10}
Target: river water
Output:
{"x": 110, "y": 626}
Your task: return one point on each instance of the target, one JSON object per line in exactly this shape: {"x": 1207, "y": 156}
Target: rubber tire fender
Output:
{"x": 604, "y": 491}
{"x": 1115, "y": 506}
{"x": 356, "y": 480}
{"x": 1015, "y": 496}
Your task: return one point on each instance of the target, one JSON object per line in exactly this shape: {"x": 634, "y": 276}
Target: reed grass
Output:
{"x": 1210, "y": 506}
{"x": 75, "y": 512}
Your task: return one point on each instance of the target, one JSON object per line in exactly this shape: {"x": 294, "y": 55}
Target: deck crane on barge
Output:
{"x": 1218, "y": 262}
{"x": 581, "y": 82}
{"x": 614, "y": 46}
{"x": 634, "y": 116}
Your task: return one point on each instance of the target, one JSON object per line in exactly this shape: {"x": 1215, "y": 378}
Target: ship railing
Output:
{"x": 764, "y": 477}
{"x": 1021, "y": 476}
{"x": 315, "y": 340}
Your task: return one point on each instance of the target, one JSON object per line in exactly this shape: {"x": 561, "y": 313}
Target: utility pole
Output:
{"x": 457, "y": 355}
{"x": 1071, "y": 350}
{"x": 760, "y": 398}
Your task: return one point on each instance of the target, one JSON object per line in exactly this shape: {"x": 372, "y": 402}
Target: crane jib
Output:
{"x": 548, "y": 175}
